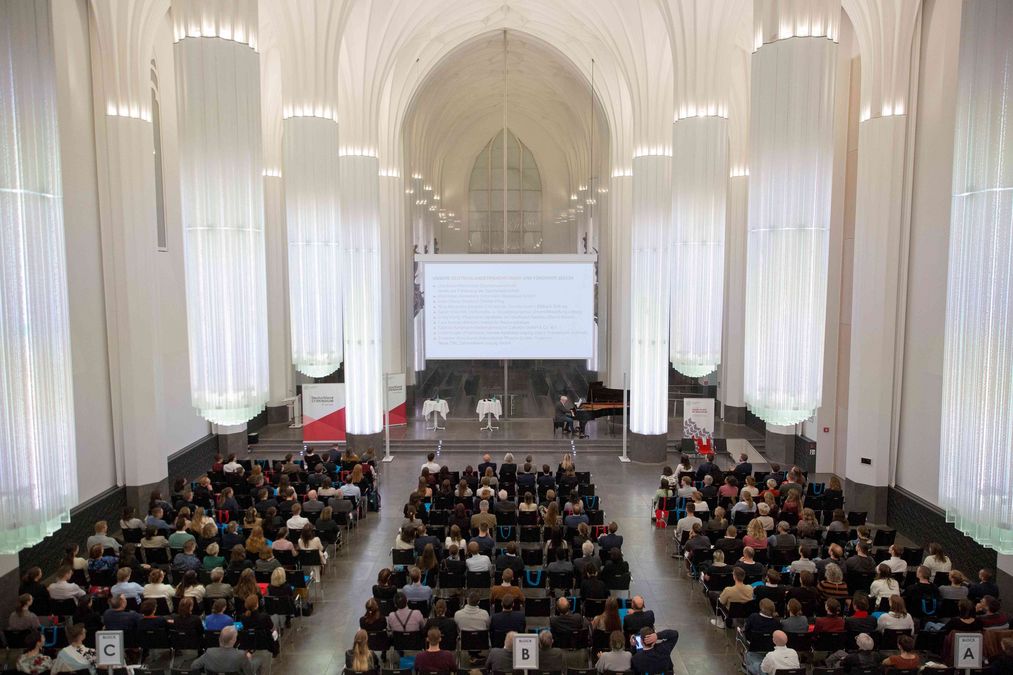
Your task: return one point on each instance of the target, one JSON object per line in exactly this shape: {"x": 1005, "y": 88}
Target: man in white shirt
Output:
{"x": 686, "y": 523}
{"x": 471, "y": 616}
{"x": 62, "y": 589}
{"x": 477, "y": 561}
{"x": 431, "y": 464}
{"x": 297, "y": 522}
{"x": 780, "y": 658}
{"x": 125, "y": 587}
{"x": 351, "y": 490}
{"x": 687, "y": 489}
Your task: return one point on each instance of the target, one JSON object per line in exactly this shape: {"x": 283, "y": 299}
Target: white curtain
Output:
{"x": 221, "y": 173}
{"x": 38, "y": 469}
{"x": 790, "y": 177}
{"x": 976, "y": 444}
{"x": 315, "y": 263}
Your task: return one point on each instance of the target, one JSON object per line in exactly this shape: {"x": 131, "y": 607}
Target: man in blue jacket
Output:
{"x": 656, "y": 656}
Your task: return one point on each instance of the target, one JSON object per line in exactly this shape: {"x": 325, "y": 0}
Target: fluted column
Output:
{"x": 649, "y": 286}
{"x": 885, "y": 33}
{"x": 619, "y": 239}
{"x": 732, "y": 392}
{"x": 221, "y": 173}
{"x": 122, "y": 36}
{"x": 790, "y": 171}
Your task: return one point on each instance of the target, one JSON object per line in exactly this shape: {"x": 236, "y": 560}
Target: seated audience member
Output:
{"x": 985, "y": 586}
{"x": 730, "y": 544}
{"x": 807, "y": 592}
{"x": 835, "y": 557}
{"x": 617, "y": 659}
{"x": 718, "y": 520}
{"x": 861, "y": 562}
{"x": 739, "y": 591}
{"x": 833, "y": 622}
{"x": 608, "y": 620}
{"x": 804, "y": 562}
{"x": 504, "y": 504}
{"x": 864, "y": 657}
{"x": 656, "y": 656}
{"x": 716, "y": 566}
{"x": 486, "y": 543}
{"x": 833, "y": 585}
{"x": 186, "y": 560}
{"x": 556, "y": 562}
{"x": 686, "y": 523}
{"x": 796, "y": 621}
{"x": 966, "y": 620}
{"x": 923, "y": 595}
{"x": 565, "y": 621}
{"x": 510, "y": 560}
{"x": 587, "y": 559}
{"x": 549, "y": 657}
{"x": 477, "y": 561}
{"x": 179, "y": 538}
{"x": 748, "y": 564}
{"x": 763, "y": 621}
{"x": 696, "y": 543}
{"x": 33, "y": 660}
{"x": 415, "y": 590}
{"x": 218, "y": 619}
{"x": 118, "y": 617}
{"x": 152, "y": 539}
{"x": 860, "y": 621}
{"x": 863, "y": 535}
{"x": 190, "y": 587}
{"x": 781, "y": 657}
{"x": 756, "y": 535}
{"x": 23, "y": 618}
{"x": 218, "y": 588}
{"x": 212, "y": 558}
{"x": 1003, "y": 662}
{"x": 895, "y": 562}
{"x": 483, "y": 517}
{"x": 771, "y": 587}
{"x": 404, "y": 619}
{"x": 433, "y": 658}
{"x": 62, "y": 588}
{"x": 907, "y": 659}
{"x": 577, "y": 516}
{"x": 838, "y": 522}
{"x": 936, "y": 560}
{"x": 506, "y": 589}
{"x": 374, "y": 620}
{"x": 990, "y": 613}
{"x": 884, "y": 585}
{"x": 501, "y": 659}
{"x": 956, "y": 589}
{"x": 662, "y": 493}
{"x": 98, "y": 562}
{"x": 225, "y": 658}
{"x": 102, "y": 538}
{"x": 511, "y": 618}
{"x": 730, "y": 489}
{"x": 125, "y": 587}
{"x": 763, "y": 511}
{"x": 782, "y": 538}
{"x": 897, "y": 618}
{"x": 637, "y": 616}
{"x": 686, "y": 489}
{"x": 75, "y": 656}
{"x": 471, "y": 616}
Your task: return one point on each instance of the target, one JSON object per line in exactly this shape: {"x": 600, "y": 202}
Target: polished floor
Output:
{"x": 316, "y": 644}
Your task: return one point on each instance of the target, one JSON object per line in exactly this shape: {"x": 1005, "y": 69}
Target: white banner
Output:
{"x": 397, "y": 399}
{"x": 323, "y": 412}
{"x": 698, "y": 418}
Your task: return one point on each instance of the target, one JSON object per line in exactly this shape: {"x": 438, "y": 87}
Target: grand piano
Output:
{"x": 601, "y": 402}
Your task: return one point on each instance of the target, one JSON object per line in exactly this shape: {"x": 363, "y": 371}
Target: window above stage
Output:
{"x": 522, "y": 187}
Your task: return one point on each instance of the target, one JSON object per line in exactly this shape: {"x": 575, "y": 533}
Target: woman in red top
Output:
{"x": 833, "y": 622}
{"x": 907, "y": 659}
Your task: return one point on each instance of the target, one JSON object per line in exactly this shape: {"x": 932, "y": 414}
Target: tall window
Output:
{"x": 156, "y": 130}
{"x": 523, "y": 199}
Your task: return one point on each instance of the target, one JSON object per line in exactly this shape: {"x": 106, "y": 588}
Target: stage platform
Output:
{"x": 529, "y": 433}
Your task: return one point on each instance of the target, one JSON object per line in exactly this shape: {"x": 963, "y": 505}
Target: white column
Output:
{"x": 396, "y": 271}
{"x": 976, "y": 442}
{"x": 276, "y": 260}
{"x": 732, "y": 362}
{"x": 651, "y": 211}
{"x": 38, "y": 470}
{"x": 620, "y": 201}
{"x": 360, "y": 217}
{"x": 122, "y": 39}
{"x": 790, "y": 166}
{"x": 221, "y": 172}
{"x": 699, "y": 185}
{"x": 310, "y": 171}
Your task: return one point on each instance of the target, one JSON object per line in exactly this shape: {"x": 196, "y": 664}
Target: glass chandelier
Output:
{"x": 314, "y": 249}
{"x": 218, "y": 75}
{"x": 699, "y": 187}
{"x": 790, "y": 176}
{"x": 976, "y": 441}
{"x": 38, "y": 468}
{"x": 652, "y": 209}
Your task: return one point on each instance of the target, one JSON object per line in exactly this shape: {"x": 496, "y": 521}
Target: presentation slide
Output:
{"x": 509, "y": 310}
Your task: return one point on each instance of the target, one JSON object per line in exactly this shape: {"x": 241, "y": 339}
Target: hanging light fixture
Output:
{"x": 976, "y": 441}
{"x": 791, "y": 167}
{"x": 217, "y": 69}
{"x": 38, "y": 470}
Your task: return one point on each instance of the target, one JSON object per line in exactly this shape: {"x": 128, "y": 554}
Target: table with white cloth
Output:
{"x": 489, "y": 406}
{"x": 434, "y": 407}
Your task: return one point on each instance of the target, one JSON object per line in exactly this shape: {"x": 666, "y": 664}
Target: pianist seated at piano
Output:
{"x": 564, "y": 415}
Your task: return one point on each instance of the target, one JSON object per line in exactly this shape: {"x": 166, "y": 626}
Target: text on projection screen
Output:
{"x": 509, "y": 310}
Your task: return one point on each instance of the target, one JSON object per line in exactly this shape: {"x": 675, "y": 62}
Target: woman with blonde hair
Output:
{"x": 745, "y": 504}
{"x": 256, "y": 542}
{"x": 360, "y": 658}
{"x": 551, "y": 517}
{"x": 756, "y": 536}
{"x": 356, "y": 477}
{"x": 566, "y": 464}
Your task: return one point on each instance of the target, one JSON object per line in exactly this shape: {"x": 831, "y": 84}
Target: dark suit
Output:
{"x": 607, "y": 541}
{"x": 567, "y": 623}
{"x": 658, "y": 659}
{"x": 486, "y": 465}
{"x": 223, "y": 660}
{"x": 634, "y": 621}
{"x": 513, "y": 562}
{"x": 504, "y": 622}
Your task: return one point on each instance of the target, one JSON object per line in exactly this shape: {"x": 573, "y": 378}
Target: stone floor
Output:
{"x": 316, "y": 644}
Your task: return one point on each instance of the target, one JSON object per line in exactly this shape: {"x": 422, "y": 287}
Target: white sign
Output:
{"x": 525, "y": 652}
{"x": 109, "y": 648}
{"x": 323, "y": 412}
{"x": 966, "y": 650}
{"x": 397, "y": 407}
{"x": 698, "y": 418}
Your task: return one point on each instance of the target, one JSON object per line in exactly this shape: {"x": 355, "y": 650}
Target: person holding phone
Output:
{"x": 653, "y": 650}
